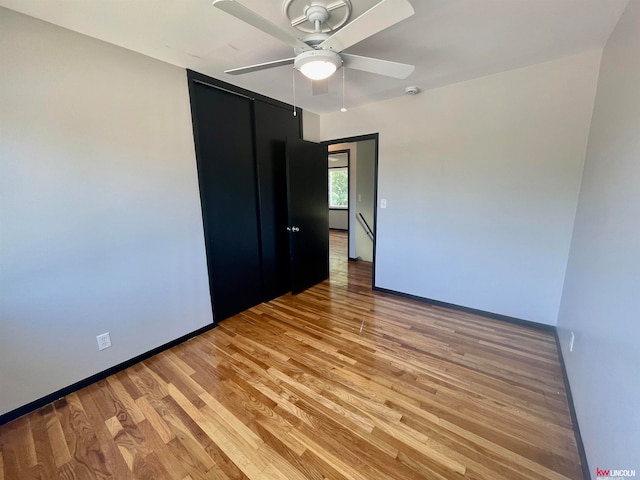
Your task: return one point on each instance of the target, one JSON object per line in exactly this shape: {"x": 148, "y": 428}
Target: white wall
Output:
{"x": 339, "y": 219}
{"x": 599, "y": 302}
{"x": 100, "y": 222}
{"x": 481, "y": 180}
{"x": 310, "y": 126}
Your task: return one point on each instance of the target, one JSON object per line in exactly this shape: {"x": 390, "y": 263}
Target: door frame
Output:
{"x": 361, "y": 138}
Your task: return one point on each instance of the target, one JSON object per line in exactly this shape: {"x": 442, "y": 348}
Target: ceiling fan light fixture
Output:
{"x": 318, "y": 64}
{"x": 318, "y": 69}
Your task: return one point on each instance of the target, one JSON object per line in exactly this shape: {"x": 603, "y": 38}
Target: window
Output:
{"x": 339, "y": 187}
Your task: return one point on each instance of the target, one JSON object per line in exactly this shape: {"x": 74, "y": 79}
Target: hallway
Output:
{"x": 344, "y": 272}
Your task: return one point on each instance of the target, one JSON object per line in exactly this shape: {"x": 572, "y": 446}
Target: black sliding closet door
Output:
{"x": 227, "y": 171}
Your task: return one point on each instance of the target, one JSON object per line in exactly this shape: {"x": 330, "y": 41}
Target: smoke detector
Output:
{"x": 411, "y": 90}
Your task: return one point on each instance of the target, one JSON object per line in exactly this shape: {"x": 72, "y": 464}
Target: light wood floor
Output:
{"x": 292, "y": 390}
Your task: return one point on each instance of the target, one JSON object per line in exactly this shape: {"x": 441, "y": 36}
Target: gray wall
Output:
{"x": 310, "y": 126}
{"x": 100, "y": 222}
{"x": 365, "y": 201}
{"x": 339, "y": 219}
{"x": 481, "y": 180}
{"x": 353, "y": 175}
{"x": 599, "y": 303}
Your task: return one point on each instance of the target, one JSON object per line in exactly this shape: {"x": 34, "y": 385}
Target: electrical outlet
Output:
{"x": 573, "y": 338}
{"x": 104, "y": 341}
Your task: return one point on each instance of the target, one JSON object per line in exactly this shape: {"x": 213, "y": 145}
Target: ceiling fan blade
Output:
{"x": 260, "y": 66}
{"x": 375, "y": 65}
{"x": 320, "y": 87}
{"x": 374, "y": 20}
{"x": 249, "y": 16}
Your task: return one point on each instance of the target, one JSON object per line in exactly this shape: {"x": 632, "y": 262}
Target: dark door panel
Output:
{"x": 226, "y": 170}
{"x": 307, "y": 183}
{"x": 273, "y": 125}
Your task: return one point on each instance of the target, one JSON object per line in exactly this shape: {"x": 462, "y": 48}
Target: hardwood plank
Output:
{"x": 59, "y": 448}
{"x": 123, "y": 397}
{"x": 89, "y": 458}
{"x": 46, "y": 466}
{"x": 155, "y": 420}
{"x": 114, "y": 461}
{"x": 223, "y": 465}
{"x": 23, "y": 446}
{"x": 292, "y": 389}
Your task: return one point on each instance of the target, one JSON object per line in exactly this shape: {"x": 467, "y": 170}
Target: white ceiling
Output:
{"x": 449, "y": 41}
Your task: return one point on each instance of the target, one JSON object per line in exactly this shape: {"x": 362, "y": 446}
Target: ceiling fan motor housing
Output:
{"x": 312, "y": 40}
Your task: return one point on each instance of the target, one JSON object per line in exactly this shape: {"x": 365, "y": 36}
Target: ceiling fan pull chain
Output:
{"x": 293, "y": 77}
{"x": 343, "y": 109}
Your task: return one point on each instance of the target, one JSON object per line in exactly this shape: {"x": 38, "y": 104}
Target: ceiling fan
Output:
{"x": 320, "y": 53}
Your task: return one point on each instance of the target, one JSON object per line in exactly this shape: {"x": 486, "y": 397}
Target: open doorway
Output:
{"x": 355, "y": 158}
